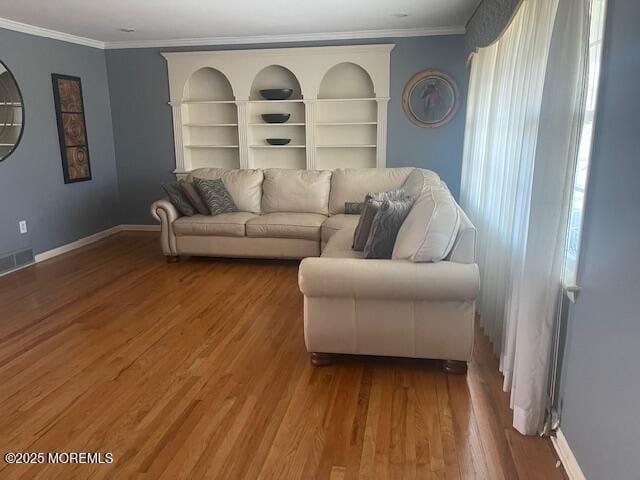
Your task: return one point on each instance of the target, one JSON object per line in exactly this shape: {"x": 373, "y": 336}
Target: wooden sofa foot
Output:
{"x": 321, "y": 359}
{"x": 455, "y": 367}
{"x": 172, "y": 258}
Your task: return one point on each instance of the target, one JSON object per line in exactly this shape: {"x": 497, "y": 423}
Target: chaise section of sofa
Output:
{"x": 391, "y": 307}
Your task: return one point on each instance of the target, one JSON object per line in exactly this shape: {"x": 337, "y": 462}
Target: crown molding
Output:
{"x": 294, "y": 37}
{"x": 47, "y": 33}
{"x": 380, "y": 47}
{"x": 231, "y": 40}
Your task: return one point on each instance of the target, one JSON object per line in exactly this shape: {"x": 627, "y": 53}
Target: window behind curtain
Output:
{"x": 598, "y": 8}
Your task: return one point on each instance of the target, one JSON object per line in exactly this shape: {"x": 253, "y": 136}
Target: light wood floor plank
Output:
{"x": 198, "y": 370}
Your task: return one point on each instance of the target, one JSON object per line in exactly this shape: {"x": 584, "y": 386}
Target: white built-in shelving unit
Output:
{"x": 261, "y": 154}
{"x": 10, "y": 126}
{"x": 209, "y": 120}
{"x": 338, "y": 109}
{"x": 11, "y": 112}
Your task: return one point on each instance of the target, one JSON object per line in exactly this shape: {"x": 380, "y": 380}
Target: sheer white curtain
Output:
{"x": 524, "y": 111}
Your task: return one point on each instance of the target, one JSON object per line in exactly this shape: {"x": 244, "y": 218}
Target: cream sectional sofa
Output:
{"x": 351, "y": 305}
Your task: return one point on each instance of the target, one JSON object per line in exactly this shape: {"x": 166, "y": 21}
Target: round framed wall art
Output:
{"x": 430, "y": 98}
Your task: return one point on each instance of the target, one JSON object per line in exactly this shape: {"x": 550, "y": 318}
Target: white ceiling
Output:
{"x": 171, "y": 22}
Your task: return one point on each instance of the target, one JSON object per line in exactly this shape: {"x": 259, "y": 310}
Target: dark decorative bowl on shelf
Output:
{"x": 276, "y": 93}
{"x": 278, "y": 141}
{"x": 276, "y": 117}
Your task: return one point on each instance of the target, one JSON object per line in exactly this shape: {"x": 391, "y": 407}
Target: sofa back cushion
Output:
{"x": 464, "y": 248}
{"x": 351, "y": 185}
{"x": 419, "y": 180}
{"x": 244, "y": 185}
{"x": 430, "y": 229}
{"x": 304, "y": 191}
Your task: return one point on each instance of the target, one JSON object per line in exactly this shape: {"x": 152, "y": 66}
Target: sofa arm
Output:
{"x": 165, "y": 213}
{"x": 388, "y": 279}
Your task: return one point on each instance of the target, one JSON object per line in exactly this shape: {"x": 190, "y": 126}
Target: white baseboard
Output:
{"x": 41, "y": 257}
{"x": 140, "y": 228}
{"x": 567, "y": 458}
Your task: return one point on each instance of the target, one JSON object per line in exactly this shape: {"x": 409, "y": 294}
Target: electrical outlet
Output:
{"x": 23, "y": 226}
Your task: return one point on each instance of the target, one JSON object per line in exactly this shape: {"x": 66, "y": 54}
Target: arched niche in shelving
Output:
{"x": 209, "y": 121}
{"x": 346, "y": 80}
{"x": 346, "y": 118}
{"x": 275, "y": 76}
{"x": 207, "y": 84}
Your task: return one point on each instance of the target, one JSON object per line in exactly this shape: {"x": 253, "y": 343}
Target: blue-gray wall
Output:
{"x": 600, "y": 384}
{"x": 143, "y": 130}
{"x": 32, "y": 187}
{"x": 132, "y": 154}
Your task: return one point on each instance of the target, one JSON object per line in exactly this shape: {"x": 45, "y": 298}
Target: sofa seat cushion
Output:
{"x": 305, "y": 226}
{"x": 337, "y": 222}
{"x": 224, "y": 225}
{"x": 339, "y": 245}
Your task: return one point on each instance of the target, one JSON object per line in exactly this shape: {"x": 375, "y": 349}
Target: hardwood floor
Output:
{"x": 198, "y": 370}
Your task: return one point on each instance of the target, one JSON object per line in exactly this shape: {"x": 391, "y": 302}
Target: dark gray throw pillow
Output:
{"x": 178, "y": 198}
{"x": 367, "y": 215}
{"x": 215, "y": 195}
{"x": 372, "y": 202}
{"x": 385, "y": 227}
{"x": 194, "y": 197}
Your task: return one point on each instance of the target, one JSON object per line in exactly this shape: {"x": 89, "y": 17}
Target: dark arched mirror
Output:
{"x": 11, "y": 112}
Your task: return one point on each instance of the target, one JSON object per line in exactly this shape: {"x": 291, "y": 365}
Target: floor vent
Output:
{"x": 16, "y": 260}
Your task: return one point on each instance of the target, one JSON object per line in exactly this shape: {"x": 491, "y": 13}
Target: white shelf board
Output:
{"x": 204, "y": 102}
{"x": 278, "y": 146}
{"x": 331, "y": 124}
{"x": 346, "y": 146}
{"x": 10, "y": 124}
{"x": 265, "y": 124}
{"x": 210, "y": 124}
{"x": 292, "y": 100}
{"x": 363, "y": 99}
{"x": 10, "y": 104}
{"x": 7, "y": 144}
{"x": 211, "y": 146}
